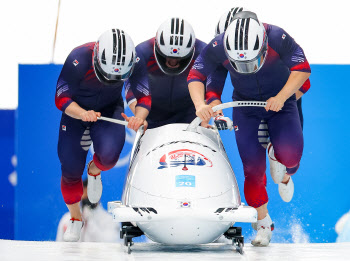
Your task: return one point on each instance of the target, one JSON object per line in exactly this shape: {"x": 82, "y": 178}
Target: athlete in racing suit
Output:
{"x": 165, "y": 93}
{"x": 276, "y": 72}
{"x": 89, "y": 86}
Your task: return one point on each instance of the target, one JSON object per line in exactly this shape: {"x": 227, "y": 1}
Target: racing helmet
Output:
{"x": 226, "y": 19}
{"x": 113, "y": 57}
{"x": 245, "y": 43}
{"x": 175, "y": 38}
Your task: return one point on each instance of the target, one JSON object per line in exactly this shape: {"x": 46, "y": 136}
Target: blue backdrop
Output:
{"x": 8, "y": 175}
{"x": 321, "y": 185}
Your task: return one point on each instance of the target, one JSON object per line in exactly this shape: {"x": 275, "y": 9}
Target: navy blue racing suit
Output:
{"x": 284, "y": 55}
{"x": 166, "y": 97}
{"x": 78, "y": 83}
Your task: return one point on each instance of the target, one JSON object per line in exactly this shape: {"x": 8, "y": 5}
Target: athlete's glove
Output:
{"x": 223, "y": 123}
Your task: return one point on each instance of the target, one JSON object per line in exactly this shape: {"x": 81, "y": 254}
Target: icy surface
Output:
{"x": 28, "y": 250}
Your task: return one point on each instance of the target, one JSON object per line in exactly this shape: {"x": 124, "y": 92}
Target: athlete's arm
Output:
{"x": 132, "y": 106}
{"x": 68, "y": 82}
{"x": 298, "y": 94}
{"x": 214, "y": 87}
{"x": 203, "y": 110}
{"x": 293, "y": 56}
{"x": 138, "y": 86}
{"x": 132, "y": 102}
{"x": 130, "y": 97}
{"x": 75, "y": 111}
{"x": 204, "y": 65}
{"x": 295, "y": 80}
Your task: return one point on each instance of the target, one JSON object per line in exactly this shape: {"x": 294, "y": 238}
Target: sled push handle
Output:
{"x": 125, "y": 123}
{"x": 194, "y": 124}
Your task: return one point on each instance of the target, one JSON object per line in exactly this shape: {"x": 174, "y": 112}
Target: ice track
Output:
{"x": 54, "y": 251}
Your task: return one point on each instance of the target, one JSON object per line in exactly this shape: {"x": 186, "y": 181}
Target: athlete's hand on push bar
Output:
{"x": 90, "y": 116}
{"x": 275, "y": 104}
{"x": 205, "y": 112}
{"x": 135, "y": 122}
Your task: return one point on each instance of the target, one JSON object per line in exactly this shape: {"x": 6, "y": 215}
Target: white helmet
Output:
{"x": 226, "y": 19}
{"x": 245, "y": 43}
{"x": 114, "y": 57}
{"x": 175, "y": 39}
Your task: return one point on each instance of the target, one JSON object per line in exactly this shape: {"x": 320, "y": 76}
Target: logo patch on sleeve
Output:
{"x": 283, "y": 36}
{"x": 64, "y": 128}
{"x": 75, "y": 62}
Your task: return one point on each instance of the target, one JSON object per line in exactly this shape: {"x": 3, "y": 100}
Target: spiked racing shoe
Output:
{"x": 264, "y": 234}
{"x": 286, "y": 190}
{"x": 72, "y": 234}
{"x": 277, "y": 169}
{"x": 94, "y": 186}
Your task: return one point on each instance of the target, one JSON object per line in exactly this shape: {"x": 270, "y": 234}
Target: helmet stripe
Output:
{"x": 114, "y": 41}
{"x": 177, "y": 26}
{"x": 182, "y": 27}
{"x": 218, "y": 28}
{"x": 119, "y": 47}
{"x": 172, "y": 26}
{"x": 227, "y": 20}
{"x": 246, "y": 34}
{"x": 189, "y": 42}
{"x": 114, "y": 46}
{"x": 228, "y": 45}
{"x": 241, "y": 34}
{"x": 124, "y": 45}
{"x": 256, "y": 46}
{"x": 236, "y": 35}
{"x": 182, "y": 32}
{"x": 162, "y": 39}
{"x": 232, "y": 14}
{"x": 103, "y": 57}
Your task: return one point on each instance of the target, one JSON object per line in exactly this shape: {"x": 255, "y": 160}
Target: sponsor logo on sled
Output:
{"x": 184, "y": 158}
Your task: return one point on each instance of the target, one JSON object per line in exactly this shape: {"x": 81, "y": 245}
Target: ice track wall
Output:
{"x": 322, "y": 183}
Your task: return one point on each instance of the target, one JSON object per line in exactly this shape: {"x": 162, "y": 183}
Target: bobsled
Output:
{"x": 180, "y": 188}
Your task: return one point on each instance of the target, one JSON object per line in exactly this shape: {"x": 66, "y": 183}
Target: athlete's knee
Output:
{"x": 72, "y": 189}
{"x": 289, "y": 156}
{"x": 293, "y": 170}
{"x": 106, "y": 161}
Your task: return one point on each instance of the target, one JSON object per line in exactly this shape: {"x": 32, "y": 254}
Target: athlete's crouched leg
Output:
{"x": 256, "y": 196}
{"x": 72, "y": 189}
{"x": 289, "y": 155}
{"x": 106, "y": 161}
{"x": 255, "y": 191}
